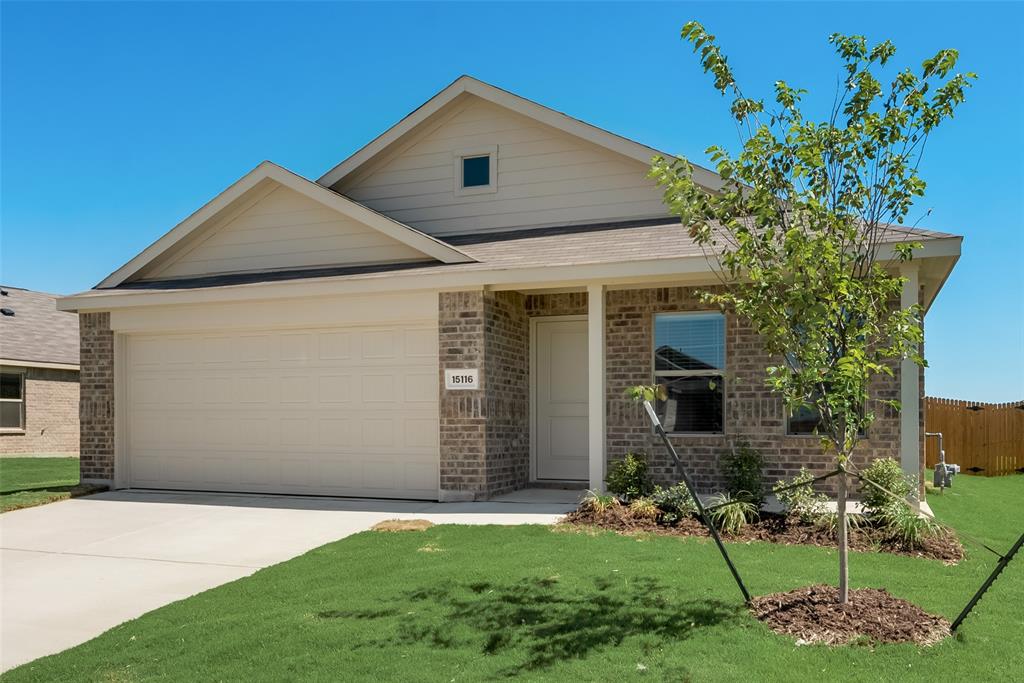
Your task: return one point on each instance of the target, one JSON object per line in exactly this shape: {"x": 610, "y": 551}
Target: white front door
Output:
{"x": 560, "y": 398}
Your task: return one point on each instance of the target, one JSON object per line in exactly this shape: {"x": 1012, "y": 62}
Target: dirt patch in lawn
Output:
{"x": 402, "y": 525}
{"x": 773, "y": 529}
{"x": 812, "y": 615}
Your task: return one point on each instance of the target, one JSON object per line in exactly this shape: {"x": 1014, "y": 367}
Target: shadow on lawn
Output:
{"x": 548, "y": 622}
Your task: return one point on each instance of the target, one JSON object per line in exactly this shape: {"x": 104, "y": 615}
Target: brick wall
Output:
{"x": 752, "y": 412}
{"x": 51, "y": 415}
{"x": 507, "y": 407}
{"x": 96, "y": 411}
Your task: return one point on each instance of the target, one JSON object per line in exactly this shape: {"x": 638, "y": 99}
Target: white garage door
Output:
{"x": 336, "y": 411}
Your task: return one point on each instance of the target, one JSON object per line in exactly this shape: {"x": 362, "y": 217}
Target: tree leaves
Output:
{"x": 801, "y": 229}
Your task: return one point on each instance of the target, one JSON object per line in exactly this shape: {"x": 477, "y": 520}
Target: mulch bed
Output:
{"x": 773, "y": 529}
{"x": 812, "y": 615}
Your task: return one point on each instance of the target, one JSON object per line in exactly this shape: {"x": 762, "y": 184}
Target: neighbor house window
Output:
{"x": 12, "y": 401}
{"x": 476, "y": 170}
{"x": 689, "y": 360}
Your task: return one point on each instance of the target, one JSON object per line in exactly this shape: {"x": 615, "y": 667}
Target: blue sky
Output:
{"x": 118, "y": 120}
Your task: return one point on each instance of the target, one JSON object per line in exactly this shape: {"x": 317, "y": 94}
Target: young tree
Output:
{"x": 803, "y": 232}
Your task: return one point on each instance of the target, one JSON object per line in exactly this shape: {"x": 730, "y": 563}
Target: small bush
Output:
{"x": 828, "y": 520}
{"x": 888, "y": 474}
{"x": 801, "y": 502}
{"x": 905, "y": 526}
{"x": 628, "y": 477}
{"x": 644, "y": 508}
{"x": 598, "y": 502}
{"x": 743, "y": 466}
{"x": 730, "y": 515}
{"x": 675, "y": 503}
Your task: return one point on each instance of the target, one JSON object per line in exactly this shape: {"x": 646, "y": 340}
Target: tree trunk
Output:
{"x": 844, "y": 574}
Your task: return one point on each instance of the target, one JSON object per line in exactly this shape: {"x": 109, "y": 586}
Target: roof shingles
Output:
{"x": 37, "y": 332}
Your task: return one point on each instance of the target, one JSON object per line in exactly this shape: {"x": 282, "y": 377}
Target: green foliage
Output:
{"x": 743, "y": 472}
{"x": 829, "y": 521}
{"x": 729, "y": 515}
{"x": 599, "y": 502}
{"x": 675, "y": 503}
{"x": 644, "y": 508}
{"x": 907, "y": 527}
{"x": 628, "y": 477}
{"x": 801, "y": 502}
{"x": 886, "y": 473}
{"x": 647, "y": 392}
{"x": 801, "y": 225}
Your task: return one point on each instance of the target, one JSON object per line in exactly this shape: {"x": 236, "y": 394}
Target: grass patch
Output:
{"x": 25, "y": 482}
{"x": 488, "y": 603}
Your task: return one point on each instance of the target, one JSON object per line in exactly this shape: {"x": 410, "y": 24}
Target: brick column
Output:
{"x": 96, "y": 403}
{"x": 462, "y": 422}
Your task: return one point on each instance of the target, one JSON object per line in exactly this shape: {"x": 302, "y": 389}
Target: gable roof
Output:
{"x": 37, "y": 333}
{"x": 269, "y": 173}
{"x": 520, "y": 105}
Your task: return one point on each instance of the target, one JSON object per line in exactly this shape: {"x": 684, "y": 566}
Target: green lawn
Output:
{"x": 25, "y": 482}
{"x": 458, "y": 603}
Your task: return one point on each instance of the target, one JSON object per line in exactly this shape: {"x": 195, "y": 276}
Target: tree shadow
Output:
{"x": 546, "y": 620}
{"x": 40, "y": 489}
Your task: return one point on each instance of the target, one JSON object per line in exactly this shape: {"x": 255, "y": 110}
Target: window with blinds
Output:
{"x": 689, "y": 360}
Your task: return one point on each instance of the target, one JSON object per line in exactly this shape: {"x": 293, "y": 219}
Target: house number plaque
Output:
{"x": 462, "y": 379}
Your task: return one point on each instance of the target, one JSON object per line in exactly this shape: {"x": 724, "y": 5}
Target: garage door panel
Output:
{"x": 343, "y": 411}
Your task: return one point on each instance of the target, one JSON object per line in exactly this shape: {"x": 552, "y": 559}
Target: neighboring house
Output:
{"x": 452, "y": 312}
{"x": 38, "y": 375}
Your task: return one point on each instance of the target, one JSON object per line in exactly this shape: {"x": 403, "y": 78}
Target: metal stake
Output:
{"x": 1000, "y": 566}
{"x": 696, "y": 499}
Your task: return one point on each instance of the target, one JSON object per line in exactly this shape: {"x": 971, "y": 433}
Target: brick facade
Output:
{"x": 51, "y": 415}
{"x": 96, "y": 411}
{"x": 752, "y": 412}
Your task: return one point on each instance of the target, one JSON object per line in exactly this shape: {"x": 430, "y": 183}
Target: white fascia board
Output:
{"x": 694, "y": 269}
{"x": 15, "y": 363}
{"x": 267, "y": 170}
{"x": 520, "y": 105}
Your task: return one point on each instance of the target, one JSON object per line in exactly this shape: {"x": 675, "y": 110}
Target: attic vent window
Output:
{"x": 476, "y": 170}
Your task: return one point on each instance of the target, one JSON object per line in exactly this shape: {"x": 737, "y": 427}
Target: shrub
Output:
{"x": 907, "y": 527}
{"x": 828, "y": 520}
{"x": 628, "y": 477}
{"x": 730, "y": 514}
{"x": 801, "y": 502}
{"x": 598, "y": 502}
{"x": 888, "y": 474}
{"x": 675, "y": 503}
{"x": 644, "y": 508}
{"x": 743, "y": 465}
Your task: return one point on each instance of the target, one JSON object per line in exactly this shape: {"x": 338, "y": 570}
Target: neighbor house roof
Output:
{"x": 37, "y": 333}
{"x": 464, "y": 85}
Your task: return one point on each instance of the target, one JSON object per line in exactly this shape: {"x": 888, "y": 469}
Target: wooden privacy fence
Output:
{"x": 983, "y": 438}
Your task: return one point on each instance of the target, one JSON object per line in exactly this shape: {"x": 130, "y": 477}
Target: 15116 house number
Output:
{"x": 464, "y": 379}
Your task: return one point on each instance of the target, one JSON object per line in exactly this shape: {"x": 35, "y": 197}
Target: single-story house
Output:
{"x": 38, "y": 375}
{"x": 452, "y": 312}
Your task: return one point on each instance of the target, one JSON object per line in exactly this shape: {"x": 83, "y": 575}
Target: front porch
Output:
{"x": 550, "y": 407}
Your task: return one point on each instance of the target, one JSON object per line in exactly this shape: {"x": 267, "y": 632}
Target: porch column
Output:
{"x": 910, "y": 389}
{"x": 595, "y": 384}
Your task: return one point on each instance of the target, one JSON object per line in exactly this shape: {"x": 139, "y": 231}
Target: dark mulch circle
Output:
{"x": 773, "y": 529}
{"x": 812, "y": 615}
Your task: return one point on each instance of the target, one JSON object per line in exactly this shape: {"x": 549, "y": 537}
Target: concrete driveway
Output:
{"x": 71, "y": 570}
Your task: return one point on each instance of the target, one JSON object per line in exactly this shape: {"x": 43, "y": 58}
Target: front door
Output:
{"x": 560, "y": 398}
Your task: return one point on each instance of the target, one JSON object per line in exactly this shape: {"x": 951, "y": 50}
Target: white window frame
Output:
{"x": 489, "y": 151}
{"x": 720, "y": 373}
{"x": 21, "y": 377}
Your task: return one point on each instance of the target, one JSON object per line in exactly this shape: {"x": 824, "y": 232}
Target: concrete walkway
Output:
{"x": 71, "y": 570}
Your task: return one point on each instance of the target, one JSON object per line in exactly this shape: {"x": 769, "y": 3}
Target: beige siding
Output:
{"x": 545, "y": 177}
{"x": 286, "y": 229}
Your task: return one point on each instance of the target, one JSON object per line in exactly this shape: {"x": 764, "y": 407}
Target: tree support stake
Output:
{"x": 696, "y": 499}
{"x": 1000, "y": 566}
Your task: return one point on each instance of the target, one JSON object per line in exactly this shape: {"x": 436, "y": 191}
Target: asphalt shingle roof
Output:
{"x": 37, "y": 332}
